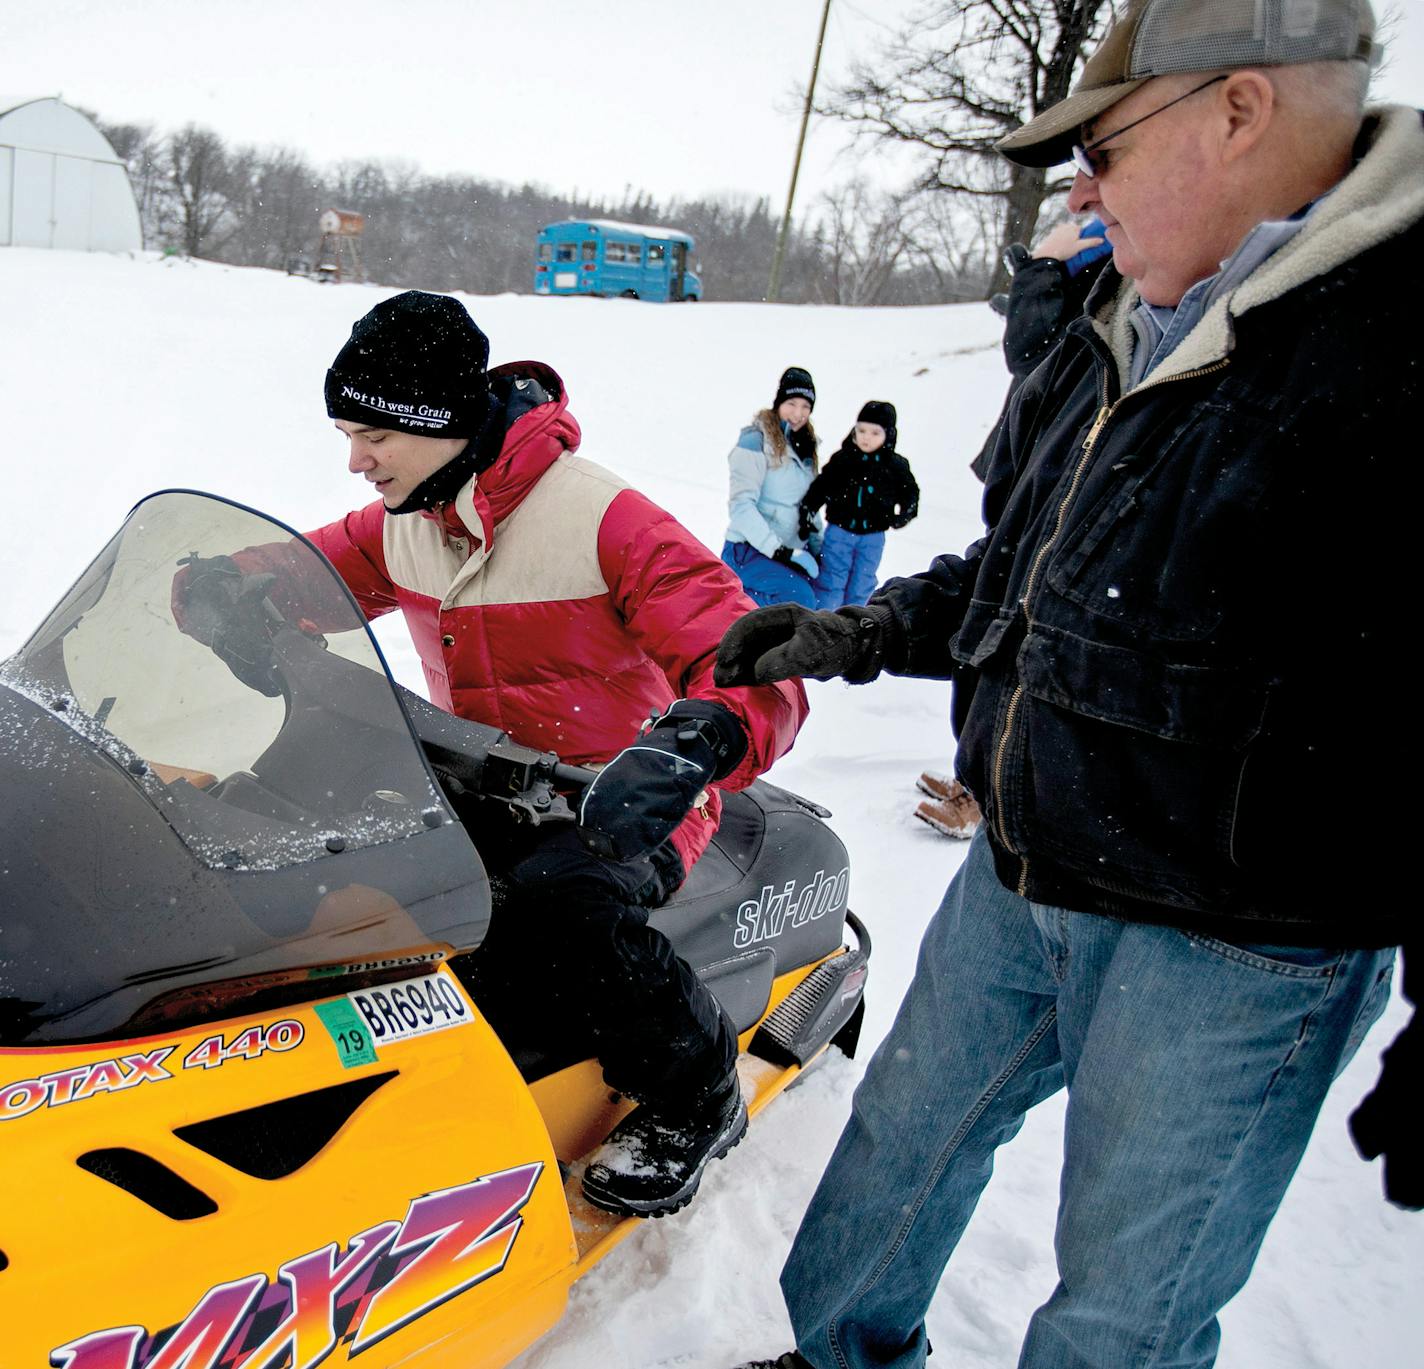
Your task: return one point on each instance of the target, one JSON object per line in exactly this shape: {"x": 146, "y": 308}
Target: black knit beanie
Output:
{"x": 796, "y": 383}
{"x": 417, "y": 364}
{"x": 882, "y": 412}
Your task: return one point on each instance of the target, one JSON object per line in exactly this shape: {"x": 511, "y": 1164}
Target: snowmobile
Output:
{"x": 250, "y": 1115}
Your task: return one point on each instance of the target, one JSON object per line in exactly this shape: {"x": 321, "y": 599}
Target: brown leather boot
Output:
{"x": 956, "y": 815}
{"x": 936, "y": 785}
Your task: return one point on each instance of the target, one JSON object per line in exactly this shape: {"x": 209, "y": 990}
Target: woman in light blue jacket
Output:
{"x": 772, "y": 466}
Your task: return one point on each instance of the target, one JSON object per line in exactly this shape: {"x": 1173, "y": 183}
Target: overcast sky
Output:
{"x": 594, "y": 95}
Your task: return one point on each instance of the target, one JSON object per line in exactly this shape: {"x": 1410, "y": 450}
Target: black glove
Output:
{"x": 798, "y": 559}
{"x": 805, "y": 521}
{"x": 224, "y": 608}
{"x": 1388, "y": 1122}
{"x": 787, "y": 641}
{"x": 646, "y": 790}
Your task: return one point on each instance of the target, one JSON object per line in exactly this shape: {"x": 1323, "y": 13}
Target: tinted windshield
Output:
{"x": 171, "y": 824}
{"x": 247, "y": 781}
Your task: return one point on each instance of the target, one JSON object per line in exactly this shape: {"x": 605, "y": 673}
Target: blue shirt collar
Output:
{"x": 1159, "y": 328}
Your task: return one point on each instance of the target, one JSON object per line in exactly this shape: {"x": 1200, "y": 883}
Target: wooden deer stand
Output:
{"x": 337, "y": 258}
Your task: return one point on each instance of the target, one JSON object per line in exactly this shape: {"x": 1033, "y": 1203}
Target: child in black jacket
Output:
{"x": 867, "y": 487}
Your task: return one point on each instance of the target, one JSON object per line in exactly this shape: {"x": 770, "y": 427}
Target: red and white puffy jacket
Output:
{"x": 554, "y": 602}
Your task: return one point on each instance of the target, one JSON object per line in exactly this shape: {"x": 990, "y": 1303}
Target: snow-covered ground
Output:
{"x": 118, "y": 377}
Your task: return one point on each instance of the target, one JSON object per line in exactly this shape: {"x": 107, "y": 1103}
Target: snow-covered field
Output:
{"x": 118, "y": 377}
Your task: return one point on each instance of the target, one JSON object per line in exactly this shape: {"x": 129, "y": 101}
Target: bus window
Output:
{"x": 590, "y": 251}
{"x": 546, "y": 251}
{"x": 655, "y": 254}
{"x": 635, "y": 253}
{"x": 564, "y": 251}
{"x": 613, "y": 252}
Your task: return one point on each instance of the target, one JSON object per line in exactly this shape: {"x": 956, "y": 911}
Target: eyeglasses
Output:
{"x": 1083, "y": 155}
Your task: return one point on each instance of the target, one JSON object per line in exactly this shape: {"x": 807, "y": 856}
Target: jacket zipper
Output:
{"x": 1100, "y": 421}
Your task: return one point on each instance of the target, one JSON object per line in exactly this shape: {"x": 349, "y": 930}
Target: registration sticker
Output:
{"x": 344, "y": 1025}
{"x": 398, "y": 1012}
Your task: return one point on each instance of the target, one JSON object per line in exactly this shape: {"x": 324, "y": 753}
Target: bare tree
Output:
{"x": 866, "y": 234}
{"x": 200, "y": 178}
{"x": 952, "y": 240}
{"x": 959, "y": 77}
{"x": 274, "y": 197}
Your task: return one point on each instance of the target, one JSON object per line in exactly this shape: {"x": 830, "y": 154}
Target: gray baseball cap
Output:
{"x": 1166, "y": 37}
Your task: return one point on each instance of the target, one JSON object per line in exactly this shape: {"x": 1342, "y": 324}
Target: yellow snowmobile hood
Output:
{"x": 169, "y": 1203}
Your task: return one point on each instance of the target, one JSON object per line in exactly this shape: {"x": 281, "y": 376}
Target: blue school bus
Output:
{"x": 602, "y": 257}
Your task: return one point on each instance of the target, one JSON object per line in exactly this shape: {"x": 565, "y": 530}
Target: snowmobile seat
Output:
{"x": 768, "y": 896}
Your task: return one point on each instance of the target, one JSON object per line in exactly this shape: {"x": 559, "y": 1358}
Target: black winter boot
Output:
{"x": 652, "y": 1162}
{"x": 790, "y": 1360}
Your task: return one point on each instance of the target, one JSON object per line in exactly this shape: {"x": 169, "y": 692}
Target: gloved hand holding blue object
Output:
{"x": 798, "y": 559}
{"x": 1094, "y": 228}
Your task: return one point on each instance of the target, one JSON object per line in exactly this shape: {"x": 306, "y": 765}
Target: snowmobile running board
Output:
{"x": 825, "y": 1006}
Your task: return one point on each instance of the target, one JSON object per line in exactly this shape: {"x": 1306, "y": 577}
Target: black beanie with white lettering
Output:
{"x": 416, "y": 363}
{"x": 795, "y": 383}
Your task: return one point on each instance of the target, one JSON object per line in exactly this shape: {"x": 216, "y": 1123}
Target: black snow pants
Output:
{"x": 570, "y": 966}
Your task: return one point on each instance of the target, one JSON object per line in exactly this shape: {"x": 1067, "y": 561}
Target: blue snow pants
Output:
{"x": 767, "y": 581}
{"x": 849, "y": 562}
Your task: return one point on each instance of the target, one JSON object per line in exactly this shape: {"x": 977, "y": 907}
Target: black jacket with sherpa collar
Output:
{"x": 1180, "y": 653}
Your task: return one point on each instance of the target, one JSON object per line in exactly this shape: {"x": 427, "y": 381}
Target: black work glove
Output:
{"x": 1389, "y": 1122}
{"x": 805, "y": 521}
{"x": 646, "y": 790}
{"x": 800, "y": 560}
{"x": 224, "y": 609}
{"x": 787, "y": 641}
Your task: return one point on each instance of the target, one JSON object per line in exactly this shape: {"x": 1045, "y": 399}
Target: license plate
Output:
{"x": 411, "y": 1007}
{"x": 565, "y": 280}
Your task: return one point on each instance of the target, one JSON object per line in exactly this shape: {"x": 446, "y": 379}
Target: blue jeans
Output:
{"x": 849, "y": 562}
{"x": 767, "y": 581}
{"x": 1195, "y": 1069}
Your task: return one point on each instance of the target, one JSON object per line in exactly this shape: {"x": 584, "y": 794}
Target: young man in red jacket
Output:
{"x": 549, "y": 599}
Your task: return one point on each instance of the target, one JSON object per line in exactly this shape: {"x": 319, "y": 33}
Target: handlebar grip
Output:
{"x": 573, "y": 776}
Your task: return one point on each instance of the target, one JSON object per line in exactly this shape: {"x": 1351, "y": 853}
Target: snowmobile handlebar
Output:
{"x": 475, "y": 760}
{"x": 573, "y": 776}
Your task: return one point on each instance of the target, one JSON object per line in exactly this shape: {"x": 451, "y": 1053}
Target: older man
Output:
{"x": 1182, "y": 619}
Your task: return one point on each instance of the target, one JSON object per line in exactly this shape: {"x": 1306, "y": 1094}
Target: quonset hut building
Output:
{"x": 61, "y": 184}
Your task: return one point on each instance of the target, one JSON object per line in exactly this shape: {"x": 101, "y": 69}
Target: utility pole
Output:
{"x": 773, "y": 290}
